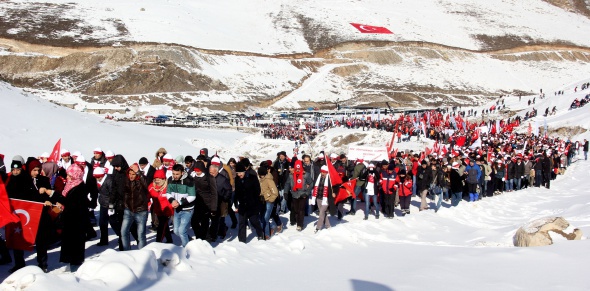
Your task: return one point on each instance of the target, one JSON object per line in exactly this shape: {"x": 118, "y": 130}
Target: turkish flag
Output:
{"x": 54, "y": 156}
{"x": 21, "y": 235}
{"x": 6, "y": 215}
{"x": 343, "y": 193}
{"x": 363, "y": 28}
{"x": 334, "y": 176}
{"x": 461, "y": 141}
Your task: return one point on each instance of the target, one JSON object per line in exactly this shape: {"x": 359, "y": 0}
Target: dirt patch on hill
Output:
{"x": 510, "y": 41}
{"x": 347, "y": 139}
{"x": 568, "y": 131}
{"x": 576, "y": 6}
{"x": 56, "y": 25}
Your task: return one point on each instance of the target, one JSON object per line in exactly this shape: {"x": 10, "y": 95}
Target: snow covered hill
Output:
{"x": 192, "y": 56}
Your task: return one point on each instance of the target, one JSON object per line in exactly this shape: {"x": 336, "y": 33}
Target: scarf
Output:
{"x": 76, "y": 174}
{"x": 298, "y": 176}
{"x": 325, "y": 193}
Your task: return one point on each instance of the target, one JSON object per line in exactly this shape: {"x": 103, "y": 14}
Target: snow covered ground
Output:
{"x": 462, "y": 248}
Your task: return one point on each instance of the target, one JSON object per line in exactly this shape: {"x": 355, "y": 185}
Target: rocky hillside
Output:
{"x": 73, "y": 53}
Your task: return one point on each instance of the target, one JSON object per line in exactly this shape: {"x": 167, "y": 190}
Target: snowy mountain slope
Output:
{"x": 231, "y": 56}
{"x": 454, "y": 249}
{"x": 283, "y": 27}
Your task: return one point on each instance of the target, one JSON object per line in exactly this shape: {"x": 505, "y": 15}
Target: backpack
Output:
{"x": 472, "y": 176}
{"x": 363, "y": 174}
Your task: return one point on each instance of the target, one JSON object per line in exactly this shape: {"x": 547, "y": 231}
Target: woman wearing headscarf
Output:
{"x": 74, "y": 203}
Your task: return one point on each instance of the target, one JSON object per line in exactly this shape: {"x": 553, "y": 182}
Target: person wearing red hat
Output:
{"x": 98, "y": 158}
{"x": 160, "y": 206}
{"x": 66, "y": 160}
{"x": 323, "y": 196}
{"x": 205, "y": 203}
{"x": 298, "y": 187}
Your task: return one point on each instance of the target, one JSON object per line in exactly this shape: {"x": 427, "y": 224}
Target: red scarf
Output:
{"x": 326, "y": 183}
{"x": 298, "y": 176}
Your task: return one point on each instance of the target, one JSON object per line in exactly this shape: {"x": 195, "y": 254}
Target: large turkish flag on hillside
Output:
{"x": 21, "y": 235}
{"x": 370, "y": 29}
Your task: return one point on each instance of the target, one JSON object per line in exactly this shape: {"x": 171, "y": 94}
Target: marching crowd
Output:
{"x": 201, "y": 193}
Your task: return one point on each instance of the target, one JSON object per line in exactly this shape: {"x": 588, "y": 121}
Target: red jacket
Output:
{"x": 406, "y": 188}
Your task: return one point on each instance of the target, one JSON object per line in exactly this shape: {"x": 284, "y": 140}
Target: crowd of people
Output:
{"x": 204, "y": 193}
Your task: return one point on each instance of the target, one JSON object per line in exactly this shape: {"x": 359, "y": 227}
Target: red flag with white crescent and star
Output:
{"x": 54, "y": 156}
{"x": 363, "y": 28}
{"x": 6, "y": 215}
{"x": 346, "y": 191}
{"x": 21, "y": 235}
{"x": 334, "y": 177}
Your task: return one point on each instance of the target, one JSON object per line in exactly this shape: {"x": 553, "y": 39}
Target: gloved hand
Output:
{"x": 111, "y": 211}
{"x": 503, "y": 179}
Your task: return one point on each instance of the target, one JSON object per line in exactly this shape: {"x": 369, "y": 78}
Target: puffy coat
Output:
{"x": 248, "y": 194}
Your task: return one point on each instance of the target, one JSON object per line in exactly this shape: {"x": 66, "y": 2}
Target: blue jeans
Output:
{"x": 266, "y": 219}
{"x": 538, "y": 178}
{"x": 509, "y": 184}
{"x": 357, "y": 191}
{"x": 368, "y": 205}
{"x": 182, "y": 221}
{"x": 445, "y": 193}
{"x": 283, "y": 205}
{"x": 414, "y": 185}
{"x": 517, "y": 183}
{"x": 140, "y": 219}
{"x": 585, "y": 155}
{"x": 456, "y": 198}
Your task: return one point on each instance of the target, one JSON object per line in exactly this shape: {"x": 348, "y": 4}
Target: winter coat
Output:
{"x": 357, "y": 172}
{"x": 585, "y": 148}
{"x": 487, "y": 172}
{"x": 160, "y": 204}
{"x": 268, "y": 189}
{"x": 75, "y": 222}
{"x": 405, "y": 188}
{"x": 105, "y": 191}
{"x": 224, "y": 188}
{"x": 206, "y": 190}
{"x": 528, "y": 166}
{"x": 312, "y": 169}
{"x": 247, "y": 195}
{"x": 304, "y": 192}
{"x": 519, "y": 170}
{"x": 510, "y": 170}
{"x": 331, "y": 206}
{"x": 423, "y": 178}
{"x": 456, "y": 181}
{"x": 388, "y": 183}
{"x": 183, "y": 191}
{"x": 136, "y": 194}
{"x": 116, "y": 200}
{"x": 282, "y": 168}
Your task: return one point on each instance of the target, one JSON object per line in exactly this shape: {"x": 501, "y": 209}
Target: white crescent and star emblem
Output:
{"x": 25, "y": 213}
{"x": 365, "y": 28}
{"x": 298, "y": 180}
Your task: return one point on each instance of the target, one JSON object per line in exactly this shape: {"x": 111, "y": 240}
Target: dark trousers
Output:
{"x": 254, "y": 222}
{"x": 547, "y": 179}
{"x": 404, "y": 202}
{"x": 232, "y": 215}
{"x": 388, "y": 204}
{"x": 201, "y": 223}
{"x": 163, "y": 229}
{"x": 215, "y": 225}
{"x": 298, "y": 206}
{"x": 103, "y": 223}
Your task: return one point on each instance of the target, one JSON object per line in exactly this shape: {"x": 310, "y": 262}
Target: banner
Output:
{"x": 367, "y": 153}
{"x": 21, "y": 235}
